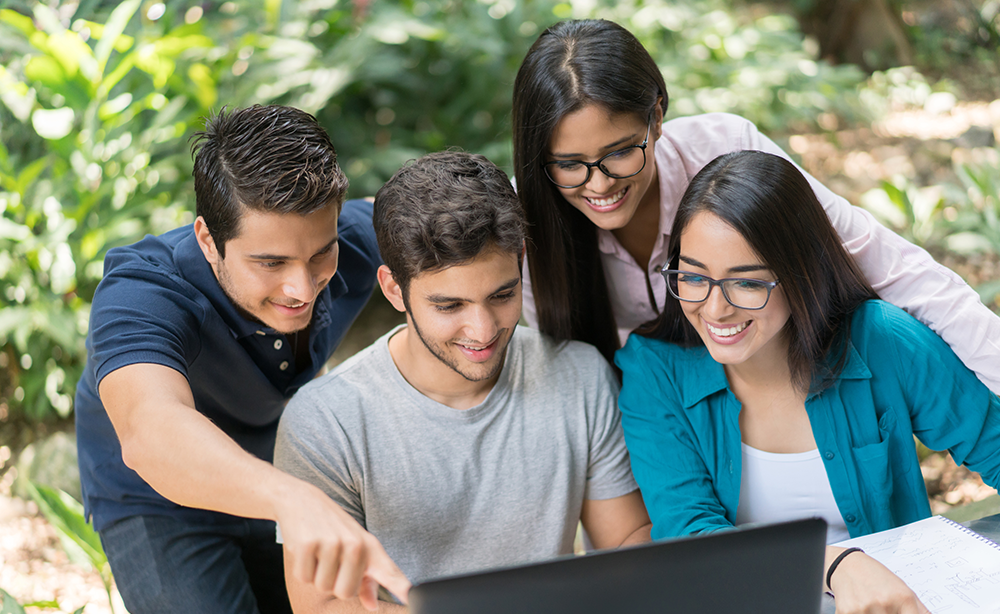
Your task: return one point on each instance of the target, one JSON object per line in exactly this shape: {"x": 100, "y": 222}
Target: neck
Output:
{"x": 639, "y": 236}
{"x": 433, "y": 378}
{"x": 767, "y": 369}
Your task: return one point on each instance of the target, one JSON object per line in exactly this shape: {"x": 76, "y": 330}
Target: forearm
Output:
{"x": 189, "y": 460}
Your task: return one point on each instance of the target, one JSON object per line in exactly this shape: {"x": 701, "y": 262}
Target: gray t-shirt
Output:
{"x": 452, "y": 491}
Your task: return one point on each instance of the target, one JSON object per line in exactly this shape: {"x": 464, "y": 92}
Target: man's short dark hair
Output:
{"x": 442, "y": 210}
{"x": 272, "y": 158}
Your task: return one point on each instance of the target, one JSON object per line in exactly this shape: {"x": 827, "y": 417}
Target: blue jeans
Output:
{"x": 164, "y": 565}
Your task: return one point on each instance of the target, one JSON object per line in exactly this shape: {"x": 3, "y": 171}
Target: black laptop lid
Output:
{"x": 770, "y": 569}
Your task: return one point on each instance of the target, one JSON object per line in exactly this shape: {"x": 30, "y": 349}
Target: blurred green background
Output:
{"x": 98, "y": 100}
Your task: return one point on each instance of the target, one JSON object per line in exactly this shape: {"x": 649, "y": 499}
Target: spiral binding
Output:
{"x": 965, "y": 529}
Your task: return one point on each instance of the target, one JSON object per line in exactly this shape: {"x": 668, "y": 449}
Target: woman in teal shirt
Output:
{"x": 789, "y": 390}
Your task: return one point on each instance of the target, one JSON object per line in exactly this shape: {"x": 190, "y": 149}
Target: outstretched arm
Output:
{"x": 190, "y": 461}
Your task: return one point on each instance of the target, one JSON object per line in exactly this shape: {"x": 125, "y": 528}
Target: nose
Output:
{"x": 300, "y": 284}
{"x": 481, "y": 325}
{"x": 716, "y": 305}
{"x": 599, "y": 182}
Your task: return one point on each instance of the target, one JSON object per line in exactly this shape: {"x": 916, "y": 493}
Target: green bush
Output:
{"x": 100, "y": 98}
{"x": 94, "y": 154}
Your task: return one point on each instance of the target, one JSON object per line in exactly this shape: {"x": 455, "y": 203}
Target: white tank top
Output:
{"x": 779, "y": 487}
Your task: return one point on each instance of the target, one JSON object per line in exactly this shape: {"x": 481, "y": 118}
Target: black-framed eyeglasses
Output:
{"x": 619, "y": 164}
{"x": 741, "y": 292}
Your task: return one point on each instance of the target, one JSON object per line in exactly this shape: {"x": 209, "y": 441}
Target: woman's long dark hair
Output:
{"x": 573, "y": 64}
{"x": 771, "y": 205}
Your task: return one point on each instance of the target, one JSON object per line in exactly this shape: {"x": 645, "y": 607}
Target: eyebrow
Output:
{"x": 440, "y": 298}
{"x": 744, "y": 268}
{"x": 605, "y": 148}
{"x": 325, "y": 249}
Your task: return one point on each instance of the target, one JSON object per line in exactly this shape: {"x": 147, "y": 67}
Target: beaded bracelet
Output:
{"x": 836, "y": 561}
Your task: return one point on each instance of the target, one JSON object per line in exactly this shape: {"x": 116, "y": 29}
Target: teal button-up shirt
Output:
{"x": 681, "y": 424}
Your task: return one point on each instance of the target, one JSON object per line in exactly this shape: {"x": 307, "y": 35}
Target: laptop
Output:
{"x": 766, "y": 569}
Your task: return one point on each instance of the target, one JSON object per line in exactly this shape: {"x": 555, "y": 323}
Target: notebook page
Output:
{"x": 951, "y": 568}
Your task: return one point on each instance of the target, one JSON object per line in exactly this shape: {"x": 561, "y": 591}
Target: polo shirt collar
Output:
{"x": 198, "y": 272}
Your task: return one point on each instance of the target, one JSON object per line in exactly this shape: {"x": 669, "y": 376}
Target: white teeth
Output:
{"x": 607, "y": 202}
{"x": 727, "y": 332}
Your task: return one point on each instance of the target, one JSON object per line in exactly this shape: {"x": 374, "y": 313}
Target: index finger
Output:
{"x": 383, "y": 570}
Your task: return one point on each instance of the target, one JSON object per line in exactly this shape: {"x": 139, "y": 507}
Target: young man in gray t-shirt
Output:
{"x": 460, "y": 440}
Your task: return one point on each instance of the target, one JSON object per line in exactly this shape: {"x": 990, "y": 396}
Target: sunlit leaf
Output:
{"x": 205, "y": 90}
{"x": 113, "y": 29}
{"x": 45, "y": 69}
{"x": 53, "y": 124}
{"x": 121, "y": 44}
{"x": 114, "y": 106}
{"x": 967, "y": 242}
{"x": 30, "y": 173}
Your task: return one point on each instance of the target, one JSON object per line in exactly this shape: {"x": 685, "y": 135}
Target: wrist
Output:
{"x": 836, "y": 563}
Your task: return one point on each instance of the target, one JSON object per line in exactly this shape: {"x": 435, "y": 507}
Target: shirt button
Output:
{"x": 284, "y": 365}
{"x": 657, "y": 268}
{"x": 849, "y": 518}
{"x": 260, "y": 332}
{"x": 277, "y": 344}
{"x": 829, "y": 455}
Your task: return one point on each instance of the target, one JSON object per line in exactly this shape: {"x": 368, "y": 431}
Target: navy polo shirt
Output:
{"x": 160, "y": 303}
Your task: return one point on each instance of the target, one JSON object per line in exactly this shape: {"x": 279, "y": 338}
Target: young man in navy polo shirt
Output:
{"x": 197, "y": 339}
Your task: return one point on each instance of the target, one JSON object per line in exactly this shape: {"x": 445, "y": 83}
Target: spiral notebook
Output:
{"x": 951, "y": 568}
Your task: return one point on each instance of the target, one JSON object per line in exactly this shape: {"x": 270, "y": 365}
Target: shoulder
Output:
{"x": 149, "y": 276}
{"x": 667, "y": 371}
{"x": 359, "y": 255}
{"x": 155, "y": 254}
{"x": 349, "y": 383}
{"x": 543, "y": 353}
{"x": 878, "y": 326}
{"x": 722, "y": 131}
{"x": 644, "y": 353}
{"x": 355, "y": 224}
{"x": 699, "y": 139}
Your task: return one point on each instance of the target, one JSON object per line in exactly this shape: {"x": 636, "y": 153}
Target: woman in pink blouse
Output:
{"x": 600, "y": 176}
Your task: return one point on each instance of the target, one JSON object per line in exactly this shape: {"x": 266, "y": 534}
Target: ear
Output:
{"x": 206, "y": 242}
{"x": 657, "y": 128}
{"x": 390, "y": 288}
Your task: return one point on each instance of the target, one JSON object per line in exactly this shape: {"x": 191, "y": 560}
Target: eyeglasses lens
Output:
{"x": 618, "y": 164}
{"x": 742, "y": 293}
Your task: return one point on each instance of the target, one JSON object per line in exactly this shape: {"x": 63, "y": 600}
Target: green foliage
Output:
{"x": 9, "y": 605}
{"x": 963, "y": 218}
{"x": 95, "y": 121}
{"x": 716, "y": 59}
{"x": 413, "y": 77}
{"x": 100, "y": 97}
{"x": 79, "y": 540}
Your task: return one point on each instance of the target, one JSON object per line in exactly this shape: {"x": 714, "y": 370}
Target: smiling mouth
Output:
{"x": 477, "y": 348}
{"x": 727, "y": 331}
{"x": 610, "y": 201}
{"x": 291, "y": 305}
